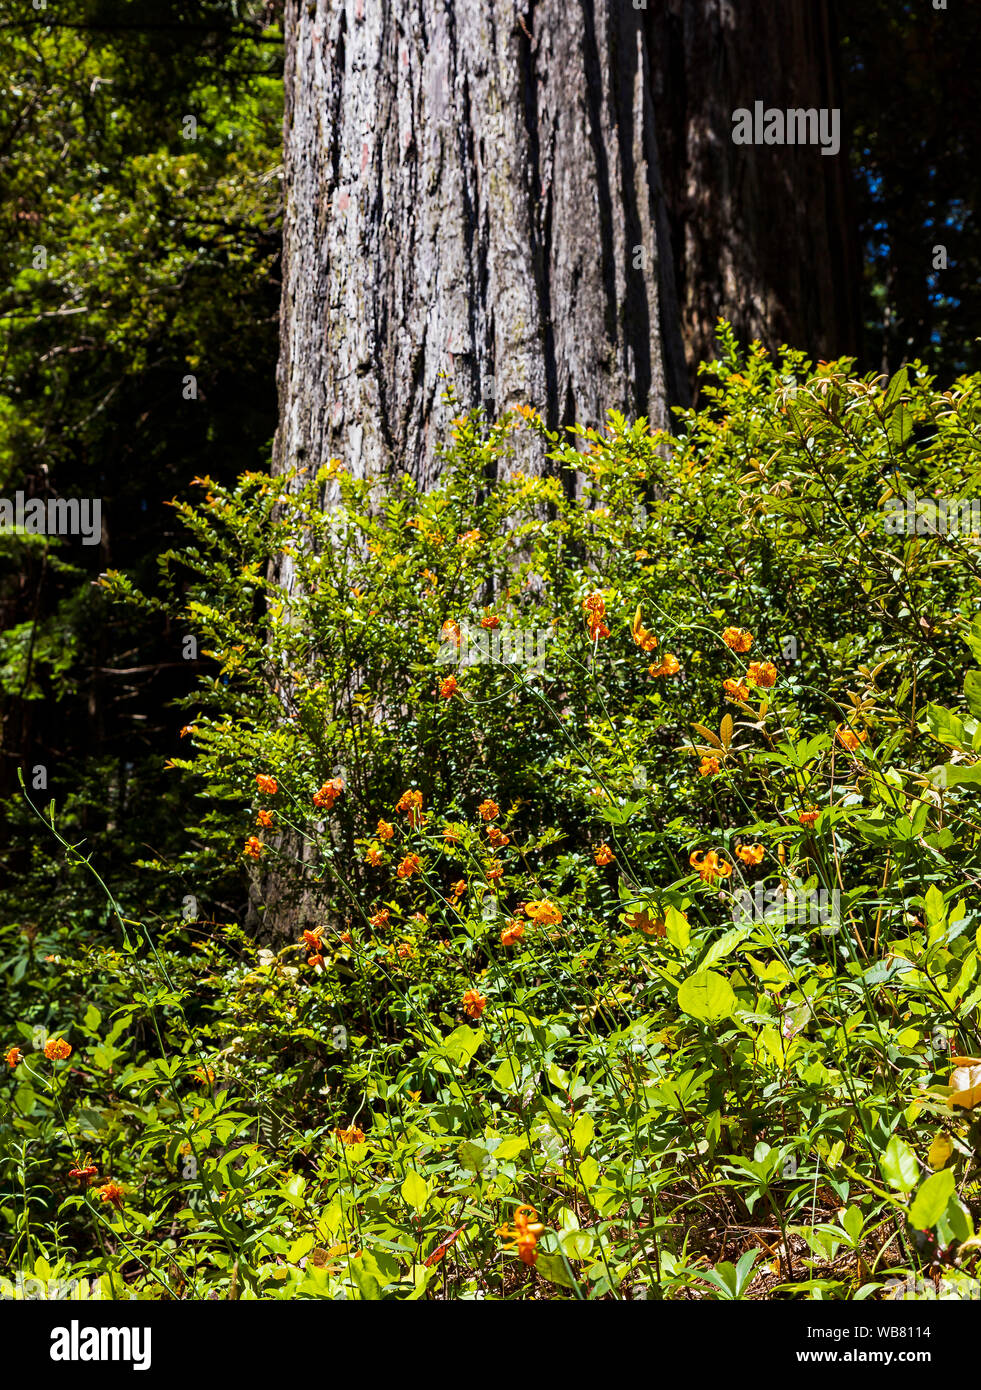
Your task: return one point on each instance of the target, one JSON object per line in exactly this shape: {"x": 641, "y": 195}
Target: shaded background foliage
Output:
{"x": 911, "y": 93}
{"x": 162, "y": 262}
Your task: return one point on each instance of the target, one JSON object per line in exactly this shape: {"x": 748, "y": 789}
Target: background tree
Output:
{"x": 911, "y": 96}
{"x": 762, "y": 236}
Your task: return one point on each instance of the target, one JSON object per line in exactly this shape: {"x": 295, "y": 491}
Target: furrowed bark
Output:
{"x": 473, "y": 199}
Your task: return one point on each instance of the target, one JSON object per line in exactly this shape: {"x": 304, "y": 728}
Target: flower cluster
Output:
{"x": 411, "y": 803}
{"x": 327, "y": 796}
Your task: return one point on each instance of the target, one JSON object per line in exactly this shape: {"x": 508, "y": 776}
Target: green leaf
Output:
{"x": 91, "y": 1121}
{"x": 365, "y": 1277}
{"x": 589, "y": 1172}
{"x": 853, "y": 1222}
{"x": 898, "y": 385}
{"x": 300, "y": 1247}
{"x": 797, "y": 420}
{"x": 955, "y": 775}
{"x": 933, "y": 901}
{"x": 583, "y": 1131}
{"x": 421, "y": 1277}
{"x": 899, "y": 426}
{"x": 959, "y": 1220}
{"x": 973, "y": 638}
{"x": 510, "y": 1147}
{"x": 415, "y": 1190}
{"x": 292, "y": 1191}
{"x": 552, "y": 1268}
{"x": 25, "y": 1100}
{"x": 707, "y": 996}
{"x": 725, "y": 945}
{"x": 676, "y": 928}
{"x": 463, "y": 1043}
{"x": 508, "y": 1076}
{"x": 946, "y": 727}
{"x": 972, "y": 691}
{"x": 472, "y": 1156}
{"x": 931, "y": 1201}
{"x": 725, "y": 1278}
{"x": 577, "y": 1245}
{"x": 898, "y": 1165}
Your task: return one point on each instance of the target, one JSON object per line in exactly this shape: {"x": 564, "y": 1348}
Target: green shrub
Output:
{"x": 685, "y": 936}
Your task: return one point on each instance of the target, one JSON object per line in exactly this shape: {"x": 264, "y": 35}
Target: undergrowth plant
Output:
{"x": 610, "y": 820}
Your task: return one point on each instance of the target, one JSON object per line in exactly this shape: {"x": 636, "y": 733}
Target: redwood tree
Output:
{"x": 762, "y": 235}
{"x": 540, "y": 201}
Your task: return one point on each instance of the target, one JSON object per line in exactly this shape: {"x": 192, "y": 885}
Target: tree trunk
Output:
{"x": 472, "y": 200}
{"x": 762, "y": 235}
{"x": 475, "y": 200}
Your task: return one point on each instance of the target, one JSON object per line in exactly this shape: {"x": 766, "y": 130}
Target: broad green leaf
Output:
{"x": 462, "y": 1043}
{"x": 365, "y": 1277}
{"x": 551, "y": 1267}
{"x": 300, "y": 1247}
{"x": 933, "y": 901}
{"x": 931, "y": 1201}
{"x": 958, "y": 1220}
{"x": 956, "y": 774}
{"x": 940, "y": 1150}
{"x": 589, "y": 1172}
{"x": 677, "y": 928}
{"x": 707, "y": 996}
{"x": 972, "y": 691}
{"x": 508, "y": 1075}
{"x": 898, "y": 385}
{"x": 772, "y": 974}
{"x": 899, "y": 426}
{"x": 583, "y": 1130}
{"x": 332, "y": 1218}
{"x": 946, "y": 728}
{"x": 898, "y": 1165}
{"x": 577, "y": 1244}
{"x": 852, "y": 1221}
{"x": 91, "y": 1120}
{"x": 415, "y": 1190}
{"x": 24, "y": 1100}
{"x": 472, "y": 1156}
{"x": 725, "y": 945}
{"x": 510, "y": 1147}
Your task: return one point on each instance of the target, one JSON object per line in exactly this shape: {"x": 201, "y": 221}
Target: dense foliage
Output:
{"x": 140, "y": 147}
{"x": 139, "y": 243}
{"x": 561, "y": 884}
{"x": 612, "y": 830}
